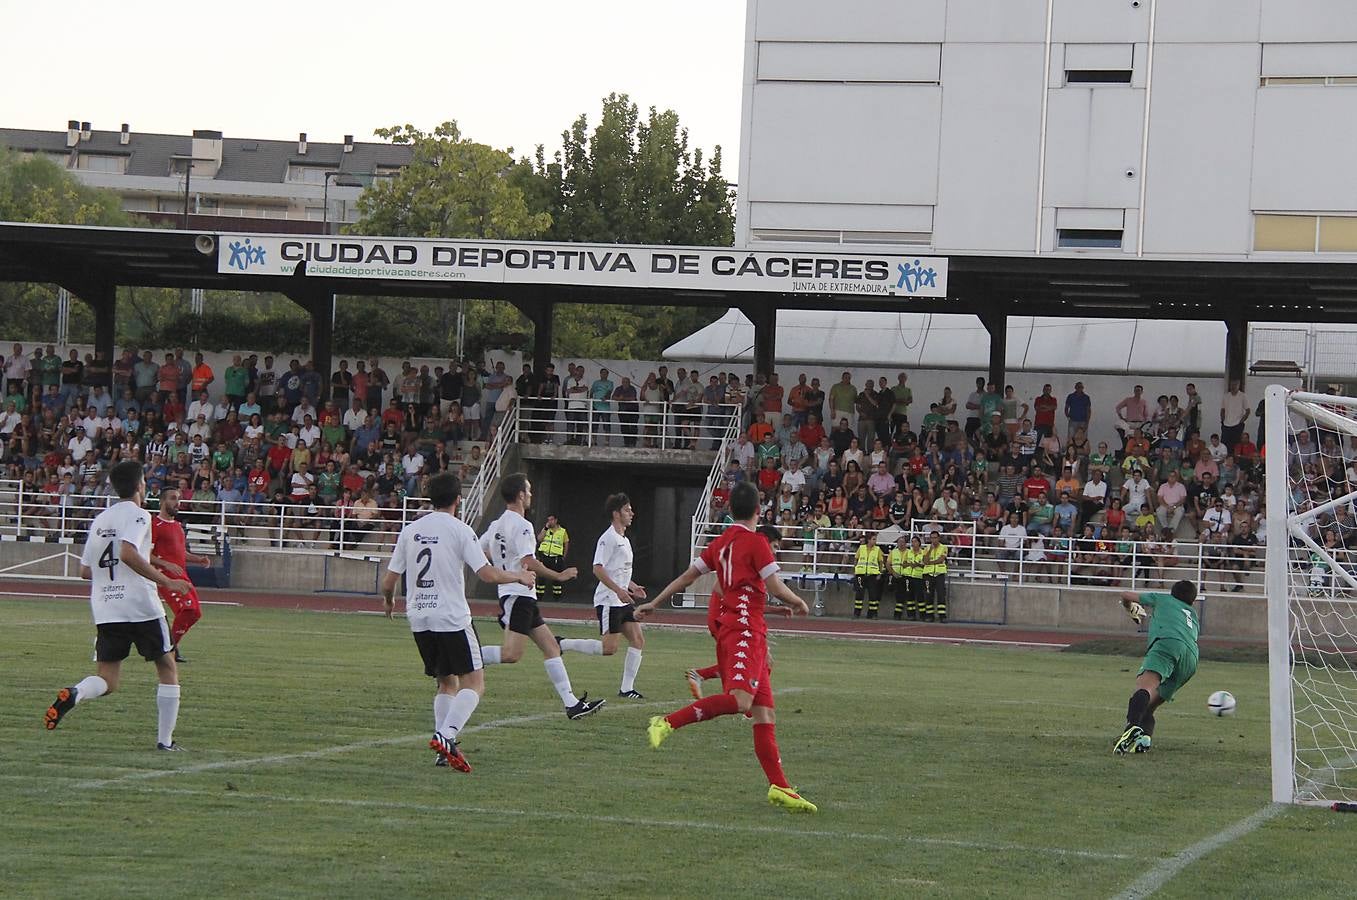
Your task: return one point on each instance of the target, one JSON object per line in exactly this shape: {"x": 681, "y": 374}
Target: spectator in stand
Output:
{"x": 1132, "y": 414}
{"x": 843, "y": 399}
{"x": 901, "y": 396}
{"x": 973, "y": 413}
{"x": 1234, "y": 415}
{"x": 1172, "y": 496}
{"x": 627, "y": 399}
{"x": 1078, "y": 411}
{"x": 796, "y": 400}
{"x": 1094, "y": 499}
{"x": 1043, "y": 408}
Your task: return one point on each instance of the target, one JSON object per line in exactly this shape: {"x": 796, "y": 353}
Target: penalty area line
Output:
{"x": 634, "y": 822}
{"x": 1167, "y": 870}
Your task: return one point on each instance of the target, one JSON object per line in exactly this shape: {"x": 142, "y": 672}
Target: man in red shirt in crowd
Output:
{"x": 746, "y": 574}
{"x": 1044, "y": 407}
{"x": 811, "y": 433}
{"x": 170, "y": 554}
{"x": 772, "y": 396}
{"x": 1035, "y": 485}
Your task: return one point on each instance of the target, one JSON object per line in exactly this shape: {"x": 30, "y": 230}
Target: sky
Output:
{"x": 512, "y": 74}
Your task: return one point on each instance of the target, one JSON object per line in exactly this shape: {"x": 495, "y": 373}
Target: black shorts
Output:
{"x": 519, "y": 614}
{"x": 612, "y": 618}
{"x": 115, "y": 640}
{"x": 449, "y": 652}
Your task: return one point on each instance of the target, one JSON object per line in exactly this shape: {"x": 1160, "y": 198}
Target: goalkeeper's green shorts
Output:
{"x": 1175, "y": 662}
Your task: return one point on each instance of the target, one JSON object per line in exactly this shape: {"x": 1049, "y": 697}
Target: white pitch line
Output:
{"x": 632, "y": 821}
{"x": 250, "y": 762}
{"x": 1161, "y": 874}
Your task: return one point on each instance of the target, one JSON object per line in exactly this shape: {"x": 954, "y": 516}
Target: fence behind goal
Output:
{"x": 1312, "y": 595}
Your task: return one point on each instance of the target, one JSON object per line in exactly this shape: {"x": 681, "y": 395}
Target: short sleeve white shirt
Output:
{"x": 508, "y": 540}
{"x": 613, "y": 552}
{"x": 117, "y": 594}
{"x": 432, "y": 553}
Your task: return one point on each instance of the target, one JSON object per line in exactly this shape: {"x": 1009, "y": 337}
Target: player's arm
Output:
{"x": 166, "y": 565}
{"x": 539, "y": 568}
{"x": 495, "y": 575}
{"x": 86, "y": 572}
{"x": 389, "y": 582}
{"x": 130, "y": 555}
{"x": 623, "y": 593}
{"x": 678, "y": 585}
{"x": 1130, "y": 601}
{"x": 777, "y": 588}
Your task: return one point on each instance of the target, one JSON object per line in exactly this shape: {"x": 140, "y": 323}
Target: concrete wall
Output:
{"x": 1224, "y": 616}
{"x": 881, "y": 120}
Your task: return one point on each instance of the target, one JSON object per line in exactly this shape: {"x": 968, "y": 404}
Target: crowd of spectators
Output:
{"x": 1013, "y": 477}
{"x": 1017, "y": 480}
{"x": 261, "y": 438}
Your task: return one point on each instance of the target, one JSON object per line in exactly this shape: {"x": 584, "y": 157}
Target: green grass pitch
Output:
{"x": 939, "y": 771}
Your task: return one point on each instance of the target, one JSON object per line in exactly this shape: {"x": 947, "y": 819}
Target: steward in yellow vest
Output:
{"x": 553, "y": 543}
{"x": 868, "y": 566}
{"x": 935, "y": 579}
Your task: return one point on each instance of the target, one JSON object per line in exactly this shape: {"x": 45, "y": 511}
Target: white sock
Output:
{"x": 460, "y": 708}
{"x": 630, "y": 666}
{"x": 167, "y": 704}
{"x": 590, "y": 647}
{"x": 490, "y": 656}
{"x": 90, "y": 686}
{"x": 442, "y": 703}
{"x": 560, "y": 680}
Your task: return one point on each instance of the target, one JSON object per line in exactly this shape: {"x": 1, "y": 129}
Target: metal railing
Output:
{"x": 487, "y": 477}
{"x": 1094, "y": 563}
{"x": 251, "y": 526}
{"x": 615, "y": 423}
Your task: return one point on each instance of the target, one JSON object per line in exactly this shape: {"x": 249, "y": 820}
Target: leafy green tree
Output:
{"x": 633, "y": 180}
{"x": 35, "y": 189}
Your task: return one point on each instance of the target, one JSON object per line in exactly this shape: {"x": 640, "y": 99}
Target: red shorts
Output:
{"x": 743, "y": 658}
{"x": 180, "y": 602}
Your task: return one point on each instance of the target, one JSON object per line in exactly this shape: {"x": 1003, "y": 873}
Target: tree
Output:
{"x": 633, "y": 180}
{"x": 35, "y": 189}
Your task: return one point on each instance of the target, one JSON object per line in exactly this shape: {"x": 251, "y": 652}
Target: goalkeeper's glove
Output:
{"x": 1136, "y": 612}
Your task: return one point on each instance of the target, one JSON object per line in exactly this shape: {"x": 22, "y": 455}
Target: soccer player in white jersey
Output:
{"x": 430, "y": 553}
{"x": 126, "y": 607}
{"x": 614, "y": 596}
{"x": 511, "y": 545}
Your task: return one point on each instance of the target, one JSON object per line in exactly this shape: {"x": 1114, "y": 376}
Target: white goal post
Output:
{"x": 1311, "y": 535}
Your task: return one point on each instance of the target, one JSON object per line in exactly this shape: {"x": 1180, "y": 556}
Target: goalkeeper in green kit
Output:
{"x": 1170, "y": 660}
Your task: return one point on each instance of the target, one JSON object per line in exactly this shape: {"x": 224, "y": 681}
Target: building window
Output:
{"x": 307, "y": 174}
{"x": 96, "y": 163}
{"x": 1089, "y": 238}
{"x": 1294, "y": 233}
{"x": 1338, "y": 234}
{"x": 821, "y": 236}
{"x": 1292, "y": 80}
{"x": 1097, "y": 76}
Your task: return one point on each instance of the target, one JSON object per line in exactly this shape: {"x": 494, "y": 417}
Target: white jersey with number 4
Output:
{"x": 613, "y": 553}
{"x": 506, "y": 542}
{"x": 117, "y": 594}
{"x": 431, "y": 553}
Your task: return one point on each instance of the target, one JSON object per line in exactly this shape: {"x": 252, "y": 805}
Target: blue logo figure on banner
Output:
{"x": 914, "y": 277}
{"x": 244, "y": 255}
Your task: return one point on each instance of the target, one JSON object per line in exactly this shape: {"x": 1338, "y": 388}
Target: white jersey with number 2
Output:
{"x": 117, "y": 594}
{"x": 431, "y": 553}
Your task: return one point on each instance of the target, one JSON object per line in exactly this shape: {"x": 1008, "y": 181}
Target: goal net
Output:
{"x": 1311, "y": 524}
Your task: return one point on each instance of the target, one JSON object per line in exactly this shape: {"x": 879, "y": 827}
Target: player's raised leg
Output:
{"x": 575, "y": 707}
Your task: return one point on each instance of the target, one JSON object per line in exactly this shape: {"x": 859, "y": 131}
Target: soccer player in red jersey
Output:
{"x": 169, "y": 553}
{"x": 747, "y": 574}
{"x": 695, "y": 677}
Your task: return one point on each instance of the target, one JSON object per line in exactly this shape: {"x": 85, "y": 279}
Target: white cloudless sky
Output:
{"x": 512, "y": 73}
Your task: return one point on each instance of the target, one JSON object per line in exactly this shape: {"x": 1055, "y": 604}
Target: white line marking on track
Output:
{"x": 1161, "y": 874}
{"x": 251, "y": 761}
{"x": 632, "y": 821}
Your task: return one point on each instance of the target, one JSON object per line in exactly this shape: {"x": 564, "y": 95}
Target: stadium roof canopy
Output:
{"x": 93, "y": 262}
{"x": 1035, "y": 343}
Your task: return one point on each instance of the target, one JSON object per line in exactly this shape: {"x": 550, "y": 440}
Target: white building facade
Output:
{"x": 1191, "y": 128}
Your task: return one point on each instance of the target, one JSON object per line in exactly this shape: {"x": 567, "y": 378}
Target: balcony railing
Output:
{"x": 614, "y": 423}
{"x": 830, "y": 553}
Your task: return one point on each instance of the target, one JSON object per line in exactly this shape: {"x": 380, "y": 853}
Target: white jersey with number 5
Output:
{"x": 613, "y": 553}
{"x": 431, "y": 553}
{"x": 506, "y": 542}
{"x": 117, "y": 594}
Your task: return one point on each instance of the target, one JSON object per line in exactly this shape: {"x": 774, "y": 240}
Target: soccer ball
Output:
{"x": 1221, "y": 703}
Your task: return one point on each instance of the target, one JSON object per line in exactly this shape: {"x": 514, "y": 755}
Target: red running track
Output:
{"x": 886, "y": 630}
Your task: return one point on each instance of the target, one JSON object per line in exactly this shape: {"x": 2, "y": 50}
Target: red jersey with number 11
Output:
{"x": 741, "y": 559}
